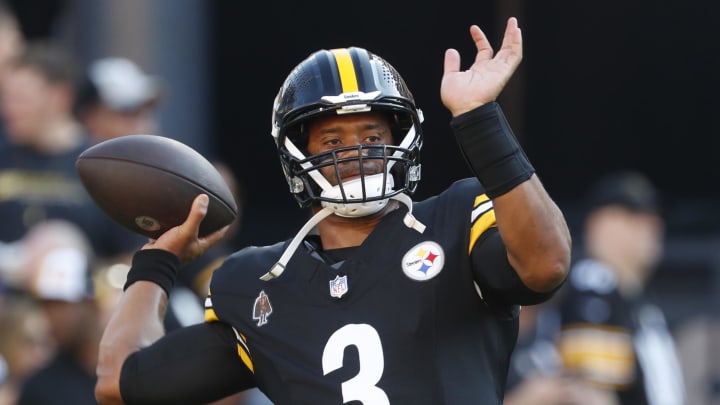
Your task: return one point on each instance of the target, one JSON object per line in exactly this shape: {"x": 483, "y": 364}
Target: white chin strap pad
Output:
{"x": 354, "y": 191}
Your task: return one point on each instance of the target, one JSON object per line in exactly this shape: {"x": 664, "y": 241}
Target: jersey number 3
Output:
{"x": 370, "y": 352}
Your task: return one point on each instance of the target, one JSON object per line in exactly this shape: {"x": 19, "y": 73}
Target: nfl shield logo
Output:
{"x": 338, "y": 286}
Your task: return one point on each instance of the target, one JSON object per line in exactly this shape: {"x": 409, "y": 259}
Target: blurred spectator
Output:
{"x": 11, "y": 44}
{"x": 117, "y": 98}
{"x": 536, "y": 376}
{"x": 60, "y": 261}
{"x": 38, "y": 180}
{"x": 610, "y": 334}
{"x": 24, "y": 345}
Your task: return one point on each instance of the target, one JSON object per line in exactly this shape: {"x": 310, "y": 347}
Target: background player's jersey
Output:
{"x": 400, "y": 321}
{"x": 35, "y": 187}
{"x": 615, "y": 342}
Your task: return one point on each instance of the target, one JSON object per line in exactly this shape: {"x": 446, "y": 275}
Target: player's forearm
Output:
{"x": 531, "y": 225}
{"x": 137, "y": 322}
{"x": 535, "y": 234}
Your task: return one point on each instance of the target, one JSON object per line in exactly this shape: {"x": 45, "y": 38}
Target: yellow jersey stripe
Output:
{"x": 244, "y": 351}
{"x": 210, "y": 315}
{"x": 482, "y": 218}
{"x": 346, "y": 70}
{"x": 245, "y": 359}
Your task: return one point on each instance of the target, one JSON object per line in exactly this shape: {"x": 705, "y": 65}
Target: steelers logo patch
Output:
{"x": 424, "y": 261}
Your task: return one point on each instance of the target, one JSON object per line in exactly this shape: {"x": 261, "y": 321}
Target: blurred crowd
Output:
{"x": 601, "y": 340}
{"x": 63, "y": 262}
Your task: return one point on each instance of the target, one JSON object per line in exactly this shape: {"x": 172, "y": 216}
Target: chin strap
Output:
{"x": 278, "y": 268}
{"x": 409, "y": 220}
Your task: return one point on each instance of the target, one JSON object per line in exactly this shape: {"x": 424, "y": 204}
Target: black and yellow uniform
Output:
{"x": 617, "y": 342}
{"x": 423, "y": 311}
{"x": 442, "y": 305}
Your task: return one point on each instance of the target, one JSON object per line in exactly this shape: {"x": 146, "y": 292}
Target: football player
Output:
{"x": 612, "y": 333}
{"x": 377, "y": 299}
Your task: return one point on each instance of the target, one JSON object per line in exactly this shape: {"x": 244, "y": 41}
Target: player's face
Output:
{"x": 341, "y": 131}
{"x": 27, "y": 102}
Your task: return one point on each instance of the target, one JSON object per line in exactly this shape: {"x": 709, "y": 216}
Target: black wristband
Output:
{"x": 156, "y": 265}
{"x": 491, "y": 149}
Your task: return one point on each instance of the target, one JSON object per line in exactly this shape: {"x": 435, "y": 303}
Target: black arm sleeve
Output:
{"x": 499, "y": 283}
{"x": 191, "y": 365}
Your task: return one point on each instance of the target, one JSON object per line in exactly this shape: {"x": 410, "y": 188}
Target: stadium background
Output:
{"x": 603, "y": 86}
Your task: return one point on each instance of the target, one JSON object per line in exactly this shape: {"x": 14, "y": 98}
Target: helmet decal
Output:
{"x": 346, "y": 69}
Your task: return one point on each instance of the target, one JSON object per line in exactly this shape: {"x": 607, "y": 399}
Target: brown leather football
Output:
{"x": 147, "y": 183}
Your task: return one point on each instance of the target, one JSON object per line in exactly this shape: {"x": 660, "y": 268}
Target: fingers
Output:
{"x": 511, "y": 49}
{"x": 182, "y": 240}
{"x": 452, "y": 61}
{"x": 484, "y": 49}
{"x": 197, "y": 212}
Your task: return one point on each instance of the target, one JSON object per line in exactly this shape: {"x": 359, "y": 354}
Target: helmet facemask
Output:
{"x": 377, "y": 173}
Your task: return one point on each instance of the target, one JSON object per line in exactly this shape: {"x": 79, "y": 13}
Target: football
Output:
{"x": 147, "y": 184}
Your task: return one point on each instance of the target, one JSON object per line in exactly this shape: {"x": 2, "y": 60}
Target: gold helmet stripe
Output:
{"x": 346, "y": 69}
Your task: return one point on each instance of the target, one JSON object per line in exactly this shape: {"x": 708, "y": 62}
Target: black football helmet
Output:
{"x": 346, "y": 81}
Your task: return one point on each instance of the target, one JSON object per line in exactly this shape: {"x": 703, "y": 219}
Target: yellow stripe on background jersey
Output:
{"x": 600, "y": 353}
{"x": 346, "y": 70}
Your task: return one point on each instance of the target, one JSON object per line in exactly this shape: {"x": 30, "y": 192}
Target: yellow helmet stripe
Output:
{"x": 346, "y": 70}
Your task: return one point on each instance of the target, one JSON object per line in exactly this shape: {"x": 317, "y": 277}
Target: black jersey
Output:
{"x": 617, "y": 342}
{"x": 36, "y": 186}
{"x": 407, "y": 318}
{"x": 62, "y": 381}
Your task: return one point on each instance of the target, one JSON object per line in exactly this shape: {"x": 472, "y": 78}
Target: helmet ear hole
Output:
{"x": 400, "y": 124}
{"x": 297, "y": 134}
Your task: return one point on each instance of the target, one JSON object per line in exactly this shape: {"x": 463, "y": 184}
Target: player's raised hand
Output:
{"x": 183, "y": 240}
{"x": 482, "y": 82}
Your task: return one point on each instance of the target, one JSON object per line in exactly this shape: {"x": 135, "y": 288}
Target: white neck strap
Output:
{"x": 277, "y": 269}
